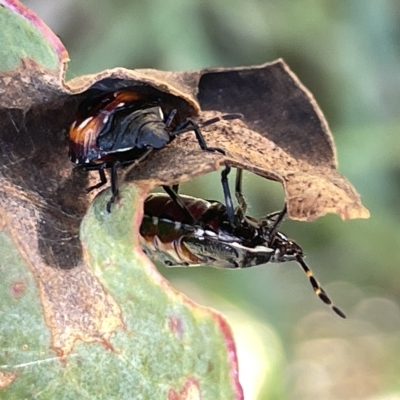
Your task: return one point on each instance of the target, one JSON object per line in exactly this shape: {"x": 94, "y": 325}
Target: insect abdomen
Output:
{"x": 162, "y": 240}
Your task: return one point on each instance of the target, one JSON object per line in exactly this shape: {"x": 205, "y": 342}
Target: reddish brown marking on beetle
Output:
{"x": 83, "y": 135}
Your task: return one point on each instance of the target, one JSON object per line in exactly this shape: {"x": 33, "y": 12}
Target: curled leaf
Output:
{"x": 283, "y": 135}
{"x": 58, "y": 297}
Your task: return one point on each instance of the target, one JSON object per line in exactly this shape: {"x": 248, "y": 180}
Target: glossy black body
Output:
{"x": 108, "y": 128}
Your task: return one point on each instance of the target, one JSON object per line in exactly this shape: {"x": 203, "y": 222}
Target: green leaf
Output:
{"x": 165, "y": 346}
{"x": 24, "y": 36}
{"x": 88, "y": 317}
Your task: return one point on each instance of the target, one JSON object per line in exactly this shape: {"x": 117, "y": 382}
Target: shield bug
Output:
{"x": 206, "y": 237}
{"x": 123, "y": 127}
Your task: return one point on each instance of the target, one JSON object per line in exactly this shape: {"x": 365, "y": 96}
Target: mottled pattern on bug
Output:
{"x": 169, "y": 237}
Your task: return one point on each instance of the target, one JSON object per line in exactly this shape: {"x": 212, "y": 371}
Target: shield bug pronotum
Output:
{"x": 205, "y": 236}
{"x": 123, "y": 127}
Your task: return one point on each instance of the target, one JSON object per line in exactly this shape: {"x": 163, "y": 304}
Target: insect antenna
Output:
{"x": 317, "y": 287}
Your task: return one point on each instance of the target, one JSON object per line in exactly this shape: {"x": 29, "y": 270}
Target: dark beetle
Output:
{"x": 123, "y": 127}
{"x": 168, "y": 235}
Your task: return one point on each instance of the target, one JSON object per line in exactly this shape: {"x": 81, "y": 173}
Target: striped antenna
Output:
{"x": 317, "y": 287}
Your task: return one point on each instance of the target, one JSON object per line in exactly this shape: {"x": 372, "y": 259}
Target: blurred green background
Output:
{"x": 347, "y": 53}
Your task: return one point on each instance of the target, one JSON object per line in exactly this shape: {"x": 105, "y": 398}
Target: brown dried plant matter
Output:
{"x": 283, "y": 136}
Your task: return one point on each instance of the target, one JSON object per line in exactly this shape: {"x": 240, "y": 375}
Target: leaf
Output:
{"x": 166, "y": 345}
{"x": 32, "y": 58}
{"x": 283, "y": 135}
{"x": 95, "y": 301}
{"x": 90, "y": 314}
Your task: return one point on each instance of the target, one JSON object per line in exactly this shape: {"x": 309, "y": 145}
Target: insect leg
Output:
{"x": 179, "y": 202}
{"x": 270, "y": 223}
{"x": 317, "y": 287}
{"x": 190, "y": 125}
{"x": 114, "y": 185}
{"x": 170, "y": 118}
{"x": 103, "y": 181}
{"x": 279, "y": 218}
{"x": 127, "y": 169}
{"x": 238, "y": 190}
{"x": 100, "y": 168}
{"x": 227, "y": 194}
